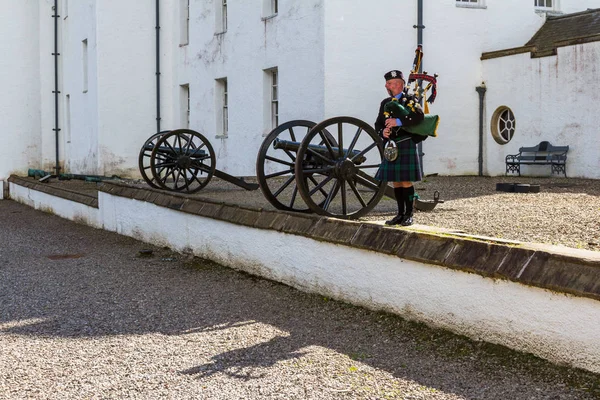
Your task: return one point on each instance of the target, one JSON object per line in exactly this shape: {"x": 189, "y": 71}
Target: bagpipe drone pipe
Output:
{"x": 396, "y": 109}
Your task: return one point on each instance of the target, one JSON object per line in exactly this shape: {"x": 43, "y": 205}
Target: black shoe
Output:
{"x": 397, "y": 220}
{"x": 407, "y": 220}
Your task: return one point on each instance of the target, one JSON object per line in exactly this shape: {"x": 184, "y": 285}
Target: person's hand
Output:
{"x": 391, "y": 122}
{"x": 386, "y": 133}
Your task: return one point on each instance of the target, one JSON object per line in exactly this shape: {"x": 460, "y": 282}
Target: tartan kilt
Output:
{"x": 406, "y": 168}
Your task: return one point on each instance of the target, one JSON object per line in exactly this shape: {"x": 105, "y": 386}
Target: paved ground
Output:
{"x": 84, "y": 316}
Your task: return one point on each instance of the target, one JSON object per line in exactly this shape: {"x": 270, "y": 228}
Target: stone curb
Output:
{"x": 566, "y": 270}
{"x": 85, "y": 199}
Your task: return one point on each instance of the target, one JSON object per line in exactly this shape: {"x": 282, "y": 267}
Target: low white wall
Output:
{"x": 63, "y": 208}
{"x": 558, "y": 327}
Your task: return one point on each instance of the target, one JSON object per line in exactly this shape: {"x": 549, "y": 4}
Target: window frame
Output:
{"x": 552, "y": 6}
{"x": 498, "y": 120}
{"x": 470, "y": 4}
{"x": 184, "y": 21}
{"x": 221, "y": 17}
{"x": 184, "y": 105}
{"x": 274, "y": 98}
{"x": 222, "y": 107}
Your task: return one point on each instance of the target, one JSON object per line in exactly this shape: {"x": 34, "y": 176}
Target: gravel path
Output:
{"x": 84, "y": 316}
{"x": 566, "y": 212}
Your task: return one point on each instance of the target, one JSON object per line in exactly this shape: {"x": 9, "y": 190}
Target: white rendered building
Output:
{"x": 324, "y": 57}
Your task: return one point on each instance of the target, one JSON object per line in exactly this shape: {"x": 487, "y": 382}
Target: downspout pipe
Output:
{"x": 481, "y": 90}
{"x": 420, "y": 28}
{"x": 158, "y": 66}
{"x": 55, "y": 91}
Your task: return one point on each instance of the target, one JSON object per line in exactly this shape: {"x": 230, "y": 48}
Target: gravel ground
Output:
{"x": 566, "y": 211}
{"x": 84, "y": 316}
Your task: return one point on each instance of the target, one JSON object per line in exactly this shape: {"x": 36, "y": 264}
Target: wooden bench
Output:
{"x": 542, "y": 154}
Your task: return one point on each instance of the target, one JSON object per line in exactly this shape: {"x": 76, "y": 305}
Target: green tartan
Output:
{"x": 406, "y": 168}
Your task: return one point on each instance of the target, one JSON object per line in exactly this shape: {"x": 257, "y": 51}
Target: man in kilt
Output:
{"x": 406, "y": 169}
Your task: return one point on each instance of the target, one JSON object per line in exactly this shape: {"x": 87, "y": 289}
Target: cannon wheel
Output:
{"x": 182, "y": 160}
{"x": 344, "y": 172}
{"x": 144, "y": 158}
{"x": 282, "y": 195}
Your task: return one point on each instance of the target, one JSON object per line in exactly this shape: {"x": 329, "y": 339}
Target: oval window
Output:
{"x": 503, "y": 125}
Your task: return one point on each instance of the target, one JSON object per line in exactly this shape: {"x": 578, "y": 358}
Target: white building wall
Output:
{"x": 558, "y": 102}
{"x": 292, "y": 41}
{"x": 20, "y": 80}
{"x": 126, "y": 83}
{"x": 330, "y": 54}
{"x": 79, "y": 104}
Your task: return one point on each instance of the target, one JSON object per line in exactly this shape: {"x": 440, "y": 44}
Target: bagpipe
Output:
{"x": 416, "y": 94}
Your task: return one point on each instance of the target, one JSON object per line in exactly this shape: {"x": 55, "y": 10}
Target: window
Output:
{"x": 221, "y": 16}
{"x": 222, "y": 97}
{"x": 270, "y": 99}
{"x": 184, "y": 104}
{"x": 274, "y": 99}
{"x": 184, "y": 21}
{"x": 68, "y": 118}
{"x": 503, "y": 125}
{"x": 270, "y": 8}
{"x": 543, "y": 4}
{"x": 471, "y": 3}
{"x": 85, "y": 65}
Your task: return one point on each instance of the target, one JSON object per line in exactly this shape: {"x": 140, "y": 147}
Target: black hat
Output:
{"x": 394, "y": 74}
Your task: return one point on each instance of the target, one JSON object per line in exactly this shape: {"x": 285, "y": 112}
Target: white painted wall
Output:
{"x": 558, "y": 102}
{"x": 331, "y": 55}
{"x": 20, "y": 82}
{"x": 79, "y": 115}
{"x": 292, "y": 41}
{"x": 67, "y": 209}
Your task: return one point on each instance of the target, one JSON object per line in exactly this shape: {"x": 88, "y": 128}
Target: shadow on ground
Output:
{"x": 59, "y": 279}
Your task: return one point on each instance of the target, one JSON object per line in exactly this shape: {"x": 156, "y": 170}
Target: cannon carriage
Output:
{"x": 181, "y": 160}
{"x": 325, "y": 168}
{"x": 302, "y": 166}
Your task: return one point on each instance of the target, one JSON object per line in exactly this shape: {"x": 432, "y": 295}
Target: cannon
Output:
{"x": 181, "y": 160}
{"x": 325, "y": 168}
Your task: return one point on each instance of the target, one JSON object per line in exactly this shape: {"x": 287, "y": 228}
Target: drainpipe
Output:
{"x": 157, "y": 66}
{"x": 481, "y": 90}
{"x": 55, "y": 91}
{"x": 420, "y": 28}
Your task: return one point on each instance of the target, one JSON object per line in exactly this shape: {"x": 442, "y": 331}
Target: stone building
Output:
{"x": 87, "y": 81}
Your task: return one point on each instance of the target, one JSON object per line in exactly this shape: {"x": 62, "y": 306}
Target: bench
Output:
{"x": 542, "y": 154}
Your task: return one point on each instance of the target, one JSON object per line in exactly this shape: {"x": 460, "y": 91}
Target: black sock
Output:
{"x": 409, "y": 197}
{"x": 399, "y": 193}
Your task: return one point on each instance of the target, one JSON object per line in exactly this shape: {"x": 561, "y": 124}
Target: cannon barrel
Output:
{"x": 175, "y": 151}
{"x": 322, "y": 150}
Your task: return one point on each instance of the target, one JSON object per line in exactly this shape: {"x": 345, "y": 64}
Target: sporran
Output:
{"x": 390, "y": 152}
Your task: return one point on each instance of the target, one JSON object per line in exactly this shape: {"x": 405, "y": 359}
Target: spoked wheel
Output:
{"x": 276, "y": 162}
{"x": 144, "y": 158}
{"x": 182, "y": 161}
{"x": 337, "y": 180}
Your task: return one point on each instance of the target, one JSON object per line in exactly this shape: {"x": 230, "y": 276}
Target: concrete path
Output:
{"x": 84, "y": 315}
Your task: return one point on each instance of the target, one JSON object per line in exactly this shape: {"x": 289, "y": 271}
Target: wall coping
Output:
{"x": 535, "y": 53}
{"x": 560, "y": 269}
{"x": 86, "y": 199}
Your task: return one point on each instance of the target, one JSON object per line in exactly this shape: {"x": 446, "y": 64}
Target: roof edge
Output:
{"x": 507, "y": 52}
